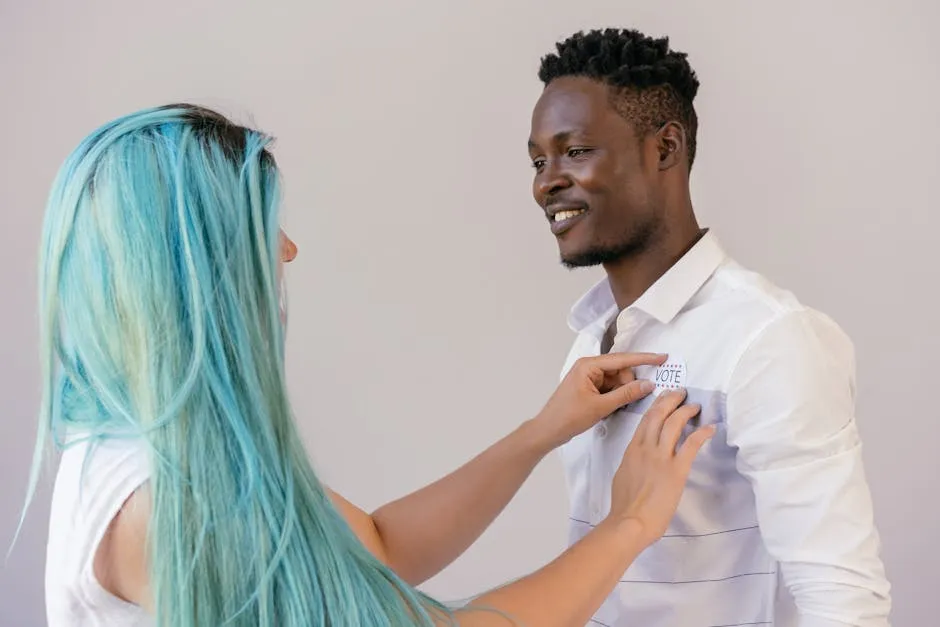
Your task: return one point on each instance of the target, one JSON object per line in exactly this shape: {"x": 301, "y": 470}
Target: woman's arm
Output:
{"x": 420, "y": 534}
{"x": 567, "y": 591}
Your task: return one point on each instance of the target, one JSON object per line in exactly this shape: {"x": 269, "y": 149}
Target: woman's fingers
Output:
{"x": 612, "y": 370}
{"x": 692, "y": 445}
{"x": 609, "y": 371}
{"x": 651, "y": 425}
{"x": 614, "y": 362}
{"x": 674, "y": 425}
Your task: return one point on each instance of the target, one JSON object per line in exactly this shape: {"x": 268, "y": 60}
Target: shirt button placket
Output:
{"x": 601, "y": 476}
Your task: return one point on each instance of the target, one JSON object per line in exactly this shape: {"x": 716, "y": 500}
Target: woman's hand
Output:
{"x": 652, "y": 475}
{"x": 594, "y": 388}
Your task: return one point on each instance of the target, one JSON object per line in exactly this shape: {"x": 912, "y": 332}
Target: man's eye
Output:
{"x": 538, "y": 163}
{"x": 577, "y": 152}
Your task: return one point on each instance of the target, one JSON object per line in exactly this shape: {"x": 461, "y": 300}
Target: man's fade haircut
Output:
{"x": 650, "y": 84}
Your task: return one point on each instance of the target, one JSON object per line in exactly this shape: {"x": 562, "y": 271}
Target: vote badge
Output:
{"x": 670, "y": 376}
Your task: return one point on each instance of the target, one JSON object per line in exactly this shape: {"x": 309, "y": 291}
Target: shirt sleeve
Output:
{"x": 791, "y": 417}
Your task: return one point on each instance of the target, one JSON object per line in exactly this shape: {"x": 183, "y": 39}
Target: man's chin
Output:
{"x": 574, "y": 262}
{"x": 584, "y": 258}
{"x": 588, "y": 256}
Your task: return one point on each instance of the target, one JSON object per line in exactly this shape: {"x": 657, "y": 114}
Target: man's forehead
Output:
{"x": 572, "y": 92}
{"x": 569, "y": 106}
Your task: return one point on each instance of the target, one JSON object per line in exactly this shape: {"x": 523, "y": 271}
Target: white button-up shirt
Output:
{"x": 775, "y": 526}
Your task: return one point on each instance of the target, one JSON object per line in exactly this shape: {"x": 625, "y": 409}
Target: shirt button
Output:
{"x": 601, "y": 430}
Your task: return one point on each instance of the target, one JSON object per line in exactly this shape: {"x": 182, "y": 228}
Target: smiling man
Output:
{"x": 776, "y": 526}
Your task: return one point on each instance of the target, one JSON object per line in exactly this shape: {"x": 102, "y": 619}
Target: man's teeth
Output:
{"x": 564, "y": 215}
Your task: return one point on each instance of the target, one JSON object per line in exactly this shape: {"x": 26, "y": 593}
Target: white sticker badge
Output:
{"x": 670, "y": 376}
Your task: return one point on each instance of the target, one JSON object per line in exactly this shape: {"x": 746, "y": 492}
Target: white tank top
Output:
{"x": 84, "y": 502}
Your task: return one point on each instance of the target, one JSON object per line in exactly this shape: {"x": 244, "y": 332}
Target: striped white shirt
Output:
{"x": 775, "y": 526}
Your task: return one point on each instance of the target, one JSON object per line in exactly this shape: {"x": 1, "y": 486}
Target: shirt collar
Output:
{"x": 664, "y": 299}
{"x": 596, "y": 307}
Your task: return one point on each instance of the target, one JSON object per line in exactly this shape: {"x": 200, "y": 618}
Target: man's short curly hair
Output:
{"x": 650, "y": 84}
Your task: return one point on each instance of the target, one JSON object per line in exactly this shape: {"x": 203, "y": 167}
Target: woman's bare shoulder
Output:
{"x": 121, "y": 558}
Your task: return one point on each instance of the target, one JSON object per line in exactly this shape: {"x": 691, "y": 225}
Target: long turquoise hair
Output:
{"x": 160, "y": 322}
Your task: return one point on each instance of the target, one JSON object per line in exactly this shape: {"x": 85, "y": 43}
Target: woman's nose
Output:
{"x": 288, "y": 248}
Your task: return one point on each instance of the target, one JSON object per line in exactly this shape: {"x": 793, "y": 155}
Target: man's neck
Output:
{"x": 631, "y": 276}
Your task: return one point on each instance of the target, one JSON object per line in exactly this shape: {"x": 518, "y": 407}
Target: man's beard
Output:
{"x": 629, "y": 246}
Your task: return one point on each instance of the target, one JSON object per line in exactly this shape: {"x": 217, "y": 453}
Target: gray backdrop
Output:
{"x": 427, "y": 302}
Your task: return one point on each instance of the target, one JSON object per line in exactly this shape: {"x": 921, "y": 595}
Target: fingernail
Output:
{"x": 647, "y": 386}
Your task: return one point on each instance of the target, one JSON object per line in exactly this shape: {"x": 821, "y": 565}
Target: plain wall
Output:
{"x": 427, "y": 306}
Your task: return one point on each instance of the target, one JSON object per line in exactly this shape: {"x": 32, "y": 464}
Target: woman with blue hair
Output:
{"x": 184, "y": 496}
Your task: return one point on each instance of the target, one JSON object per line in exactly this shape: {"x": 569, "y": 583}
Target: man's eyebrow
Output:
{"x": 560, "y": 136}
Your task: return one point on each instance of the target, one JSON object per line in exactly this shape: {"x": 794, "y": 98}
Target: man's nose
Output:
{"x": 551, "y": 180}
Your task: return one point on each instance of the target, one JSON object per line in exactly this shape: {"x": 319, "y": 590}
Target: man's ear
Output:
{"x": 671, "y": 143}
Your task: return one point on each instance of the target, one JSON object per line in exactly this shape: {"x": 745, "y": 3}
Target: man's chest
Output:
{"x": 713, "y": 550}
